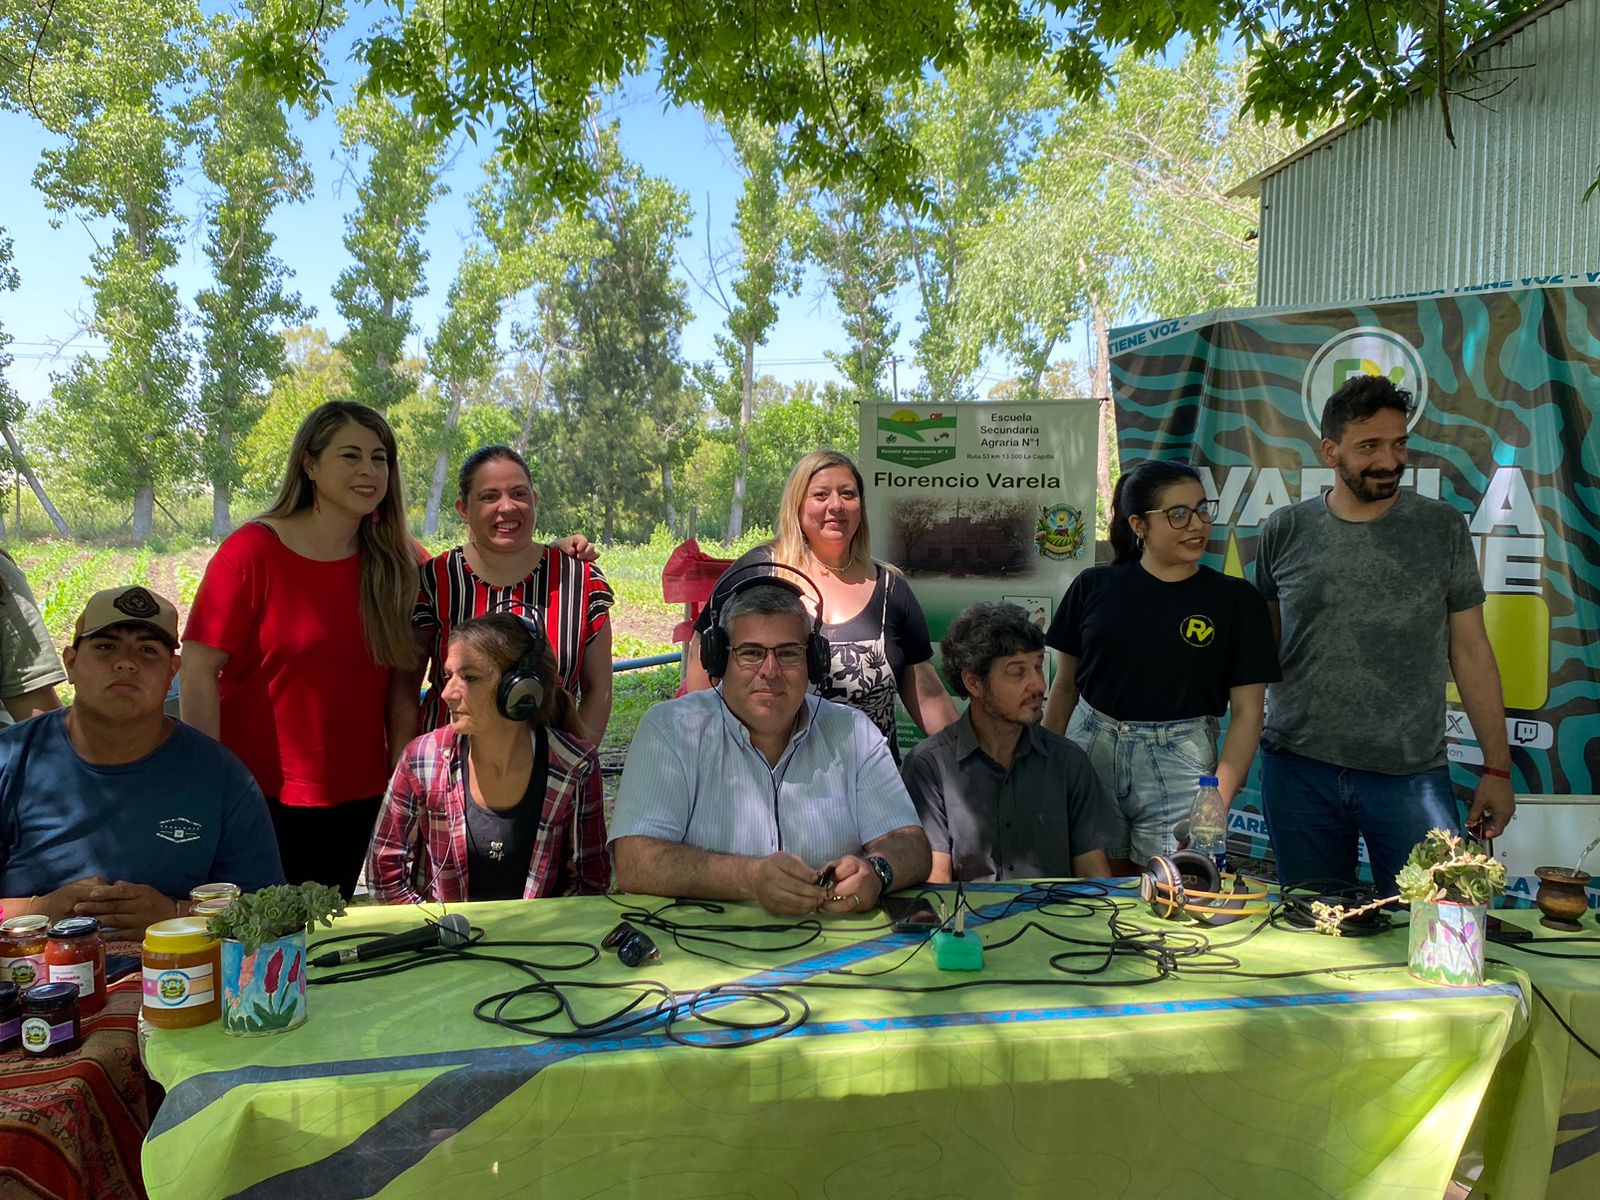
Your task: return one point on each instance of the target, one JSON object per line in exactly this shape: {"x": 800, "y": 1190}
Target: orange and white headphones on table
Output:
{"x": 1187, "y": 883}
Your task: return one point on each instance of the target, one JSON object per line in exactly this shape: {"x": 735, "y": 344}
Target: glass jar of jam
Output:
{"x": 75, "y": 954}
{"x": 22, "y": 942}
{"x": 50, "y": 1019}
{"x": 182, "y": 974}
{"x": 10, "y": 1016}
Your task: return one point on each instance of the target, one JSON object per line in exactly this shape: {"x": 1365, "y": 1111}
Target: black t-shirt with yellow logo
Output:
{"x": 1149, "y": 650}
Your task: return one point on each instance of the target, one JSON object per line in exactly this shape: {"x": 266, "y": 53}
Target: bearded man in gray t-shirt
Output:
{"x": 1376, "y": 600}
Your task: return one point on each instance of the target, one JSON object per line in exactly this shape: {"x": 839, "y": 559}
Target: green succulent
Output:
{"x": 1442, "y": 866}
{"x": 276, "y": 912}
{"x": 1446, "y": 866}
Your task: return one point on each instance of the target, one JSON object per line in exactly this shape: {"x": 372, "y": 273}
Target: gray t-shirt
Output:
{"x": 28, "y": 659}
{"x": 1366, "y": 611}
{"x": 1025, "y": 823}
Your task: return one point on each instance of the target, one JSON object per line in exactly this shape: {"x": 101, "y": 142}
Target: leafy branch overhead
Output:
{"x": 825, "y": 68}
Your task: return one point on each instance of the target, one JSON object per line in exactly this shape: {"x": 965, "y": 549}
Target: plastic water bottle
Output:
{"x": 1208, "y": 821}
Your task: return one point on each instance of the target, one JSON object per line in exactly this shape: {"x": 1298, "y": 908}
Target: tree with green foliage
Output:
{"x": 11, "y": 405}
{"x": 787, "y": 423}
{"x": 253, "y": 164}
{"x": 315, "y": 371}
{"x": 625, "y": 411}
{"x": 860, "y": 257}
{"x": 462, "y": 354}
{"x": 771, "y": 223}
{"x": 99, "y": 83}
{"x": 1123, "y": 209}
{"x": 486, "y": 415}
{"x": 827, "y": 67}
{"x": 972, "y": 127}
{"x": 539, "y": 244}
{"x": 383, "y": 234}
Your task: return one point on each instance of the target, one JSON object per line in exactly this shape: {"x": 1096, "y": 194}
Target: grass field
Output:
{"x": 63, "y": 574}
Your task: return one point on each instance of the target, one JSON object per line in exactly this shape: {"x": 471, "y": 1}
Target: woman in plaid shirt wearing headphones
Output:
{"x": 503, "y": 802}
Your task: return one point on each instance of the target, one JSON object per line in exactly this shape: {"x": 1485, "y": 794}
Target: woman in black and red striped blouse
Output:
{"x": 501, "y": 568}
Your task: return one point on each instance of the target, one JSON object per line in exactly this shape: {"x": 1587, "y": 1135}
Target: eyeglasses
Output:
{"x": 752, "y": 655}
{"x": 1178, "y": 515}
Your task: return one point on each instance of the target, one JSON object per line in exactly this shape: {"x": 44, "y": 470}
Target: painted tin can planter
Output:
{"x": 1447, "y": 942}
{"x": 265, "y": 991}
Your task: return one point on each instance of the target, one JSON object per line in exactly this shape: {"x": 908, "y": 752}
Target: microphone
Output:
{"x": 452, "y": 930}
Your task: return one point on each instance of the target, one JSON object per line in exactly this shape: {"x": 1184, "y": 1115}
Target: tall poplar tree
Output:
{"x": 770, "y": 221}
{"x": 383, "y": 234}
{"x": 860, "y": 257}
{"x": 100, "y": 83}
{"x": 252, "y": 163}
{"x": 625, "y": 411}
{"x": 973, "y": 127}
{"x": 462, "y": 354}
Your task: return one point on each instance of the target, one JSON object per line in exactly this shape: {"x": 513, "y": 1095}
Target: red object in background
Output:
{"x": 687, "y": 578}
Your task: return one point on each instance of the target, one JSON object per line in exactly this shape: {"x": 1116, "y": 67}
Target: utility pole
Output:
{"x": 894, "y": 374}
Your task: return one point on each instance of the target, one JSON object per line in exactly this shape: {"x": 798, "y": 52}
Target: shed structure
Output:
{"x": 1388, "y": 208}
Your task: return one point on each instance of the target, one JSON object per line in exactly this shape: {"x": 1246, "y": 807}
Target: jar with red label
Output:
{"x": 75, "y": 954}
{"x": 50, "y": 1019}
{"x": 22, "y": 942}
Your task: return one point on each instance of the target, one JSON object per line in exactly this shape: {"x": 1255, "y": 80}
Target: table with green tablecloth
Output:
{"x": 1538, "y": 1132}
{"x": 1149, "y": 1075}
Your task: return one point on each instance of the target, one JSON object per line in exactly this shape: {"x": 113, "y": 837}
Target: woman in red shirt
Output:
{"x": 504, "y": 802}
{"x": 298, "y": 649}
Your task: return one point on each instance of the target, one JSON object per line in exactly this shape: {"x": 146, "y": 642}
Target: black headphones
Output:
{"x": 1188, "y": 884}
{"x": 521, "y": 692}
{"x": 714, "y": 647}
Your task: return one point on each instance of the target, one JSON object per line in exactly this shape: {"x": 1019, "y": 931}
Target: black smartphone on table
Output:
{"x": 1498, "y": 931}
{"x": 911, "y": 914}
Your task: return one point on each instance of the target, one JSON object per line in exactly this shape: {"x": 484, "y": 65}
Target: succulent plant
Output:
{"x": 1442, "y": 866}
{"x": 276, "y": 912}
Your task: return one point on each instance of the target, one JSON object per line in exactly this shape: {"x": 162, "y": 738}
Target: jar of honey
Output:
{"x": 10, "y": 1016}
{"x": 75, "y": 954}
{"x": 22, "y": 942}
{"x": 208, "y": 893}
{"x": 50, "y": 1025}
{"x": 182, "y": 974}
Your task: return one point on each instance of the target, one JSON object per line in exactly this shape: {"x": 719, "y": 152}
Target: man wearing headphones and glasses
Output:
{"x": 759, "y": 790}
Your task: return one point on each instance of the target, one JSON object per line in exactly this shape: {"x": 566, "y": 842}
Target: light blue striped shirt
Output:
{"x": 695, "y": 778}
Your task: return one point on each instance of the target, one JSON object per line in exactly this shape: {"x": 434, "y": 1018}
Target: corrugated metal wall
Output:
{"x": 1390, "y": 207}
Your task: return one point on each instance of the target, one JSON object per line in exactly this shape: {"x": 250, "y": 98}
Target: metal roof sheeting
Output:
{"x": 1389, "y": 207}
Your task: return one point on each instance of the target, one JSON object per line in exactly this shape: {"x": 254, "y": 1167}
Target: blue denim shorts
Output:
{"x": 1150, "y": 769}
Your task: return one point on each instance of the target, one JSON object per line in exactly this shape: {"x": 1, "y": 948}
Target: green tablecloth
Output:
{"x": 1349, "y": 1084}
{"x": 1538, "y": 1133}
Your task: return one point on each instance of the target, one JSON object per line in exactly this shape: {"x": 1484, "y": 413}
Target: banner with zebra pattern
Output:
{"x": 1508, "y": 391}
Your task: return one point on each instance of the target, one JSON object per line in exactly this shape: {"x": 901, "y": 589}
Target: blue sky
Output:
{"x": 46, "y": 316}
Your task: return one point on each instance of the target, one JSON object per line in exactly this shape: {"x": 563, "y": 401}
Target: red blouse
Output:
{"x": 303, "y": 702}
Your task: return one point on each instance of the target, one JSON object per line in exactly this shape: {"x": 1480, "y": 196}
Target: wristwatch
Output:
{"x": 885, "y": 872}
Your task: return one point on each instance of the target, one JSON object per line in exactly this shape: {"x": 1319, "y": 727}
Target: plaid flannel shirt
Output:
{"x": 419, "y": 846}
